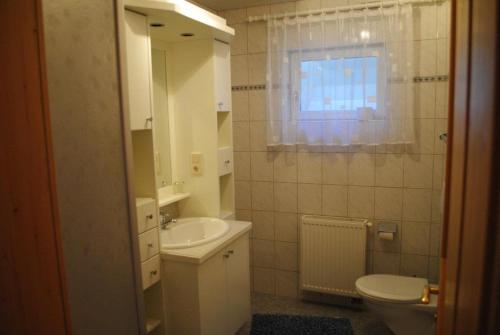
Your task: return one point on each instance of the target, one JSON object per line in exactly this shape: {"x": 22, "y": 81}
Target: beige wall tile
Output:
{"x": 306, "y": 5}
{"x": 258, "y": 10}
{"x": 242, "y": 195}
{"x": 257, "y": 69}
{"x": 414, "y": 265}
{"x": 233, "y": 16}
{"x": 388, "y": 203}
{"x": 285, "y": 167}
{"x": 361, "y": 201}
{"x": 437, "y": 206}
{"x": 418, "y": 171}
{"x": 415, "y": 238}
{"x": 286, "y": 227}
{"x": 240, "y": 106}
{"x": 309, "y": 198}
{"x": 389, "y": 170}
{"x": 263, "y": 280}
{"x": 334, "y": 200}
{"x": 438, "y": 172}
{"x": 442, "y": 100}
{"x": 282, "y": 8}
{"x": 286, "y": 256}
{"x": 417, "y": 205}
{"x": 386, "y": 263}
{"x": 425, "y": 57}
{"x": 424, "y": 132}
{"x": 425, "y": 100}
{"x": 243, "y": 215}
{"x": 262, "y": 166}
{"x": 424, "y": 19}
{"x": 239, "y": 70}
{"x": 257, "y": 37}
{"x": 257, "y": 105}
{"x": 241, "y": 165}
{"x": 286, "y": 284}
{"x": 333, "y": 3}
{"x": 433, "y": 270}
{"x": 435, "y": 239}
{"x": 263, "y": 225}
{"x": 241, "y": 136}
{"x": 441, "y": 127}
{"x": 263, "y": 253}
{"x": 262, "y": 195}
{"x": 309, "y": 168}
{"x": 285, "y": 197}
{"x": 335, "y": 167}
{"x": 361, "y": 169}
{"x": 258, "y": 136}
{"x": 239, "y": 43}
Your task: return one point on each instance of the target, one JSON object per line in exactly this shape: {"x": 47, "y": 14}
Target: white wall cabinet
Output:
{"x": 222, "y": 76}
{"x": 212, "y": 298}
{"x": 138, "y": 70}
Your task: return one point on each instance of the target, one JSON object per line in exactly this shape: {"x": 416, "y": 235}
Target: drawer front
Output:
{"x": 146, "y": 216}
{"x": 148, "y": 244}
{"x": 150, "y": 272}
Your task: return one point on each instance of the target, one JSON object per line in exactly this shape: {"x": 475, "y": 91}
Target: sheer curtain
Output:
{"x": 341, "y": 79}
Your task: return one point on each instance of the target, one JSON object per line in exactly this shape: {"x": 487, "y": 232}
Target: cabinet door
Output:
{"x": 222, "y": 77}
{"x": 138, "y": 70}
{"x": 238, "y": 284}
{"x": 212, "y": 295}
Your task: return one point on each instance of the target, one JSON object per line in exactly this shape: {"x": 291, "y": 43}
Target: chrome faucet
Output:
{"x": 165, "y": 220}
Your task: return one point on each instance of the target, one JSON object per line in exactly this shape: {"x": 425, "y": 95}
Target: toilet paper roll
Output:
{"x": 386, "y": 236}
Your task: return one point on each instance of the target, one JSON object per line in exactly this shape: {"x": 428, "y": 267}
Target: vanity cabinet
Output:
{"x": 138, "y": 70}
{"x": 212, "y": 298}
{"x": 222, "y": 76}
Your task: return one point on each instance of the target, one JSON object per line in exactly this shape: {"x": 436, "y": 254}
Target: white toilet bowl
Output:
{"x": 397, "y": 301}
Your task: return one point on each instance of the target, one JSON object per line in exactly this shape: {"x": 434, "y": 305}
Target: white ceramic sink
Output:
{"x": 190, "y": 232}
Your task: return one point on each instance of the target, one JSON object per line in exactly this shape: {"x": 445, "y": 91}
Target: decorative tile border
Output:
{"x": 249, "y": 87}
{"x": 417, "y": 79}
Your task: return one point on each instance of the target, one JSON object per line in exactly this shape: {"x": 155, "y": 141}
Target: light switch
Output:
{"x": 196, "y": 166}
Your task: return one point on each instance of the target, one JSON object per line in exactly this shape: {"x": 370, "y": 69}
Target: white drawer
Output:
{"x": 225, "y": 160}
{"x": 150, "y": 272}
{"x": 148, "y": 244}
{"x": 146, "y": 214}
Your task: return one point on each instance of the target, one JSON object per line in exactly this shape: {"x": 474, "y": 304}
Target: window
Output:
{"x": 341, "y": 84}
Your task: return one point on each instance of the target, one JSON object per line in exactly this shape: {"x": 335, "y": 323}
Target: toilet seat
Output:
{"x": 390, "y": 288}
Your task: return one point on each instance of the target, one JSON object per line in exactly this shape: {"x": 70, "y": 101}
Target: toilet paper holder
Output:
{"x": 387, "y": 228}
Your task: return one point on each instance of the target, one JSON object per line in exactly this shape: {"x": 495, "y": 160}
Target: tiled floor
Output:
{"x": 361, "y": 320}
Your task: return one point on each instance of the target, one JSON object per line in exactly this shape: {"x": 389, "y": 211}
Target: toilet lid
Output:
{"x": 392, "y": 288}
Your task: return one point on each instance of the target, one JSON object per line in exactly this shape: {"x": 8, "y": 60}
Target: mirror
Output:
{"x": 162, "y": 119}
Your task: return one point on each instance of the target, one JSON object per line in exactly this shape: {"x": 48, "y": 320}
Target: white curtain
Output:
{"x": 341, "y": 79}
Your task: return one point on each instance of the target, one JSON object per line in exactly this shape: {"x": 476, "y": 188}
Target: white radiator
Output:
{"x": 332, "y": 254}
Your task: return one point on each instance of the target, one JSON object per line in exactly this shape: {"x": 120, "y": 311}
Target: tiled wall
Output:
{"x": 386, "y": 184}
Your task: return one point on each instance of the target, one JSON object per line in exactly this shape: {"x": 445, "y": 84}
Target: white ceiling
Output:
{"x": 231, "y": 4}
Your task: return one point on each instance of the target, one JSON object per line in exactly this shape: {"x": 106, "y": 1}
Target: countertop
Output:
{"x": 201, "y": 253}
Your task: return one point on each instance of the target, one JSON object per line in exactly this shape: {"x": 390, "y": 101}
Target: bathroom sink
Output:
{"x": 190, "y": 232}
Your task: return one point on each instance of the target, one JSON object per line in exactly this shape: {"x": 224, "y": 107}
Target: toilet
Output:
{"x": 397, "y": 300}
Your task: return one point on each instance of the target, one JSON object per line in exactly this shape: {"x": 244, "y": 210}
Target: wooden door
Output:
{"x": 32, "y": 283}
{"x": 470, "y": 276}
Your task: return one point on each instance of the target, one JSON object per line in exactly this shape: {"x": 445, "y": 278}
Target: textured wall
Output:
{"x": 400, "y": 185}
{"x": 90, "y": 168}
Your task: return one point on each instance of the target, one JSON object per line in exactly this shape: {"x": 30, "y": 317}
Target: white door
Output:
{"x": 222, "y": 77}
{"x": 238, "y": 284}
{"x": 138, "y": 70}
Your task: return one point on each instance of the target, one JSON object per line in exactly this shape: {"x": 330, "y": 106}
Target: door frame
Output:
{"x": 470, "y": 254}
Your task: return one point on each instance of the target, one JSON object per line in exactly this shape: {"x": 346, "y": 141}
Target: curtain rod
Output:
{"x": 368, "y": 5}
